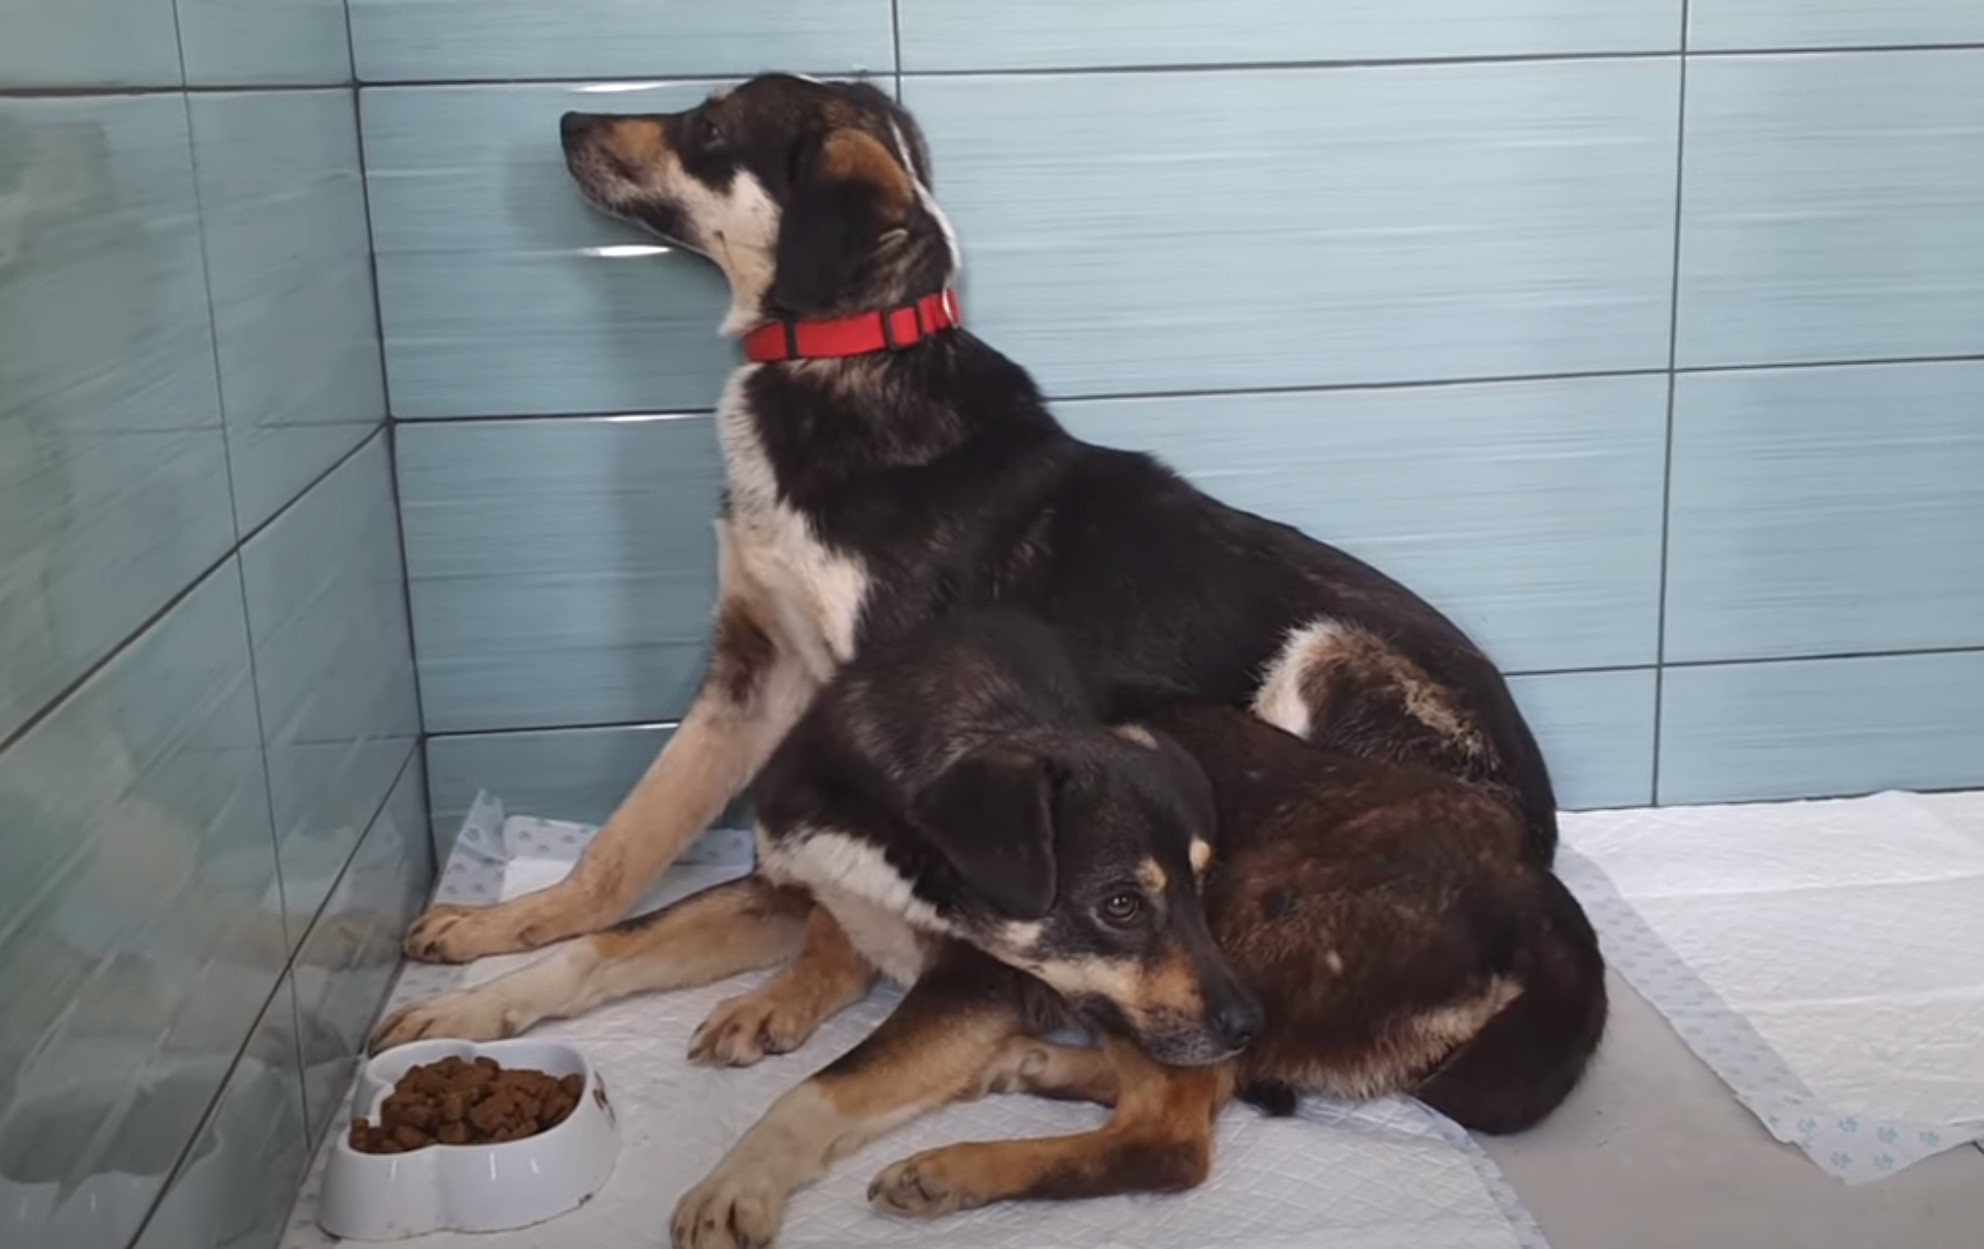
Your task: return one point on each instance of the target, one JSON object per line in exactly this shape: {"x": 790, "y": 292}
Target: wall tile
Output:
{"x": 1597, "y": 734}
{"x": 1822, "y": 511}
{"x": 1729, "y": 733}
{"x": 87, "y": 43}
{"x": 429, "y": 40}
{"x": 501, "y": 291}
{"x": 253, "y": 42}
{"x": 562, "y": 572}
{"x": 1720, "y": 25}
{"x": 1529, "y": 511}
{"x": 113, "y": 487}
{"x": 333, "y": 666}
{"x": 288, "y": 257}
{"x": 1042, "y": 34}
{"x": 347, "y": 961}
{"x": 144, "y": 928}
{"x": 565, "y": 774}
{"x": 1128, "y": 233}
{"x": 1830, "y": 207}
{"x": 235, "y": 1188}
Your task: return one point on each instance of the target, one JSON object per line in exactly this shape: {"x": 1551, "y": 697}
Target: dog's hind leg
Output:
{"x": 780, "y": 1015}
{"x": 754, "y": 692}
{"x": 1158, "y": 1139}
{"x": 929, "y": 1053}
{"x": 731, "y": 928}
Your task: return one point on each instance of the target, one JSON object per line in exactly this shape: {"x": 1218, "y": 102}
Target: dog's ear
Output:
{"x": 848, "y": 192}
{"x": 992, "y": 815}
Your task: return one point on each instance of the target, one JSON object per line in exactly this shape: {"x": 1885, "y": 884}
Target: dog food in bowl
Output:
{"x": 460, "y": 1101}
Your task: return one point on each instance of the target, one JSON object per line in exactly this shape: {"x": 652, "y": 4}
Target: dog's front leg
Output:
{"x": 756, "y": 689}
{"x": 933, "y": 1050}
{"x": 1158, "y": 1138}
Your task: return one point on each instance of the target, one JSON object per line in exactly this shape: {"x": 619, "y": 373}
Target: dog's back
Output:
{"x": 1396, "y": 937}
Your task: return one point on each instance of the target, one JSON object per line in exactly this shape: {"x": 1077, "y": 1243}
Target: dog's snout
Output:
{"x": 574, "y": 127}
{"x": 1237, "y": 1020}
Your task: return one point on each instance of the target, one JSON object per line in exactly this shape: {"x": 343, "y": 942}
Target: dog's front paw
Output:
{"x": 466, "y": 1016}
{"x": 923, "y": 1187}
{"x": 732, "y": 1209}
{"x": 462, "y": 934}
{"x": 742, "y": 1030}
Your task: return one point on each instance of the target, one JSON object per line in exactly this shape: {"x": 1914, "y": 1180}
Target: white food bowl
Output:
{"x": 469, "y": 1188}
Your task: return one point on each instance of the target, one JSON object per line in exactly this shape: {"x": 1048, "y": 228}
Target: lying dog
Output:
{"x": 967, "y": 823}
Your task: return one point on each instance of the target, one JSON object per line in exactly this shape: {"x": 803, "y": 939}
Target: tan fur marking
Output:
{"x": 1201, "y": 855}
{"x": 1411, "y": 1050}
{"x": 850, "y": 155}
{"x": 1151, "y": 876}
{"x": 1158, "y": 1139}
{"x": 781, "y": 1014}
{"x": 1136, "y": 733}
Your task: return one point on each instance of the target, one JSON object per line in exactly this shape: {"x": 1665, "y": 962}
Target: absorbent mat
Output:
{"x": 1825, "y": 959}
{"x": 1381, "y": 1175}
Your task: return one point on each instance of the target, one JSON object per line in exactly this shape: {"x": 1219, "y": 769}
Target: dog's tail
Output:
{"x": 1527, "y": 1058}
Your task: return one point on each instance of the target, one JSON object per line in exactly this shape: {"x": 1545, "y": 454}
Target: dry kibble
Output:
{"x": 452, "y": 1102}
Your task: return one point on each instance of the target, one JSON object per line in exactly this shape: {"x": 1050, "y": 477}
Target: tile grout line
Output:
{"x": 664, "y": 723}
{"x": 165, "y": 609}
{"x": 660, "y": 414}
{"x": 233, "y": 496}
{"x": 1673, "y": 384}
{"x": 1025, "y": 71}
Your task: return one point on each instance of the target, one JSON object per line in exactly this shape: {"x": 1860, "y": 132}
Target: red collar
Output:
{"x": 864, "y": 333}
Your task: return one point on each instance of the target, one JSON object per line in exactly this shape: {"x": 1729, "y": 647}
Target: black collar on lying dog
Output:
{"x": 864, "y": 333}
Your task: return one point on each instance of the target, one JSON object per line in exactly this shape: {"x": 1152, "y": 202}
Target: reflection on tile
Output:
{"x": 346, "y": 962}
{"x": 501, "y": 292}
{"x": 87, "y": 43}
{"x": 561, "y": 572}
{"x": 246, "y": 42}
{"x": 113, "y": 489}
{"x": 1824, "y": 511}
{"x": 143, "y": 930}
{"x": 1830, "y": 208}
{"x": 1529, "y": 511}
{"x": 1818, "y": 727}
{"x": 1720, "y": 25}
{"x": 1127, "y": 233}
{"x": 287, "y": 254}
{"x": 428, "y": 40}
{"x": 233, "y": 1190}
{"x": 1597, "y": 734}
{"x": 1043, "y": 34}
{"x": 334, "y": 667}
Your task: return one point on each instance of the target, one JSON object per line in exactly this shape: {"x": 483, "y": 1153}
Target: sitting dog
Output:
{"x": 1200, "y": 888}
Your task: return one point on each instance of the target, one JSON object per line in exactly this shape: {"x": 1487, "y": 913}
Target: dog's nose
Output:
{"x": 1238, "y": 1021}
{"x": 575, "y": 126}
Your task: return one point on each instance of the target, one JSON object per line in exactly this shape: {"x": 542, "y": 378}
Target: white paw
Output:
{"x": 463, "y": 1016}
{"x": 732, "y": 1209}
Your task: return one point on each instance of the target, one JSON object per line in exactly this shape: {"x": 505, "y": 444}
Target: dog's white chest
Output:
{"x": 881, "y": 915}
{"x": 816, "y": 593}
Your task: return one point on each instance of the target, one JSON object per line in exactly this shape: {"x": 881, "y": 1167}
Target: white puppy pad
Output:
{"x": 1382, "y": 1175}
{"x": 1826, "y": 959}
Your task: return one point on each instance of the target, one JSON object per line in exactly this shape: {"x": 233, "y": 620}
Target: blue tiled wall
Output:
{"x": 1646, "y": 337}
{"x": 212, "y": 806}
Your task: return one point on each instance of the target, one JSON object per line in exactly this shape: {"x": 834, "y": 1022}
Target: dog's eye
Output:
{"x": 1121, "y": 908}
{"x": 708, "y": 136}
